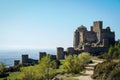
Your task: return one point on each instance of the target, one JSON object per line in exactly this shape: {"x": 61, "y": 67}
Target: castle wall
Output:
{"x": 110, "y": 36}
{"x": 53, "y": 57}
{"x": 105, "y": 43}
{"x": 95, "y": 50}
{"x": 90, "y": 37}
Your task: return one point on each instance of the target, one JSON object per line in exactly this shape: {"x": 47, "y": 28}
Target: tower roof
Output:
{"x": 82, "y": 27}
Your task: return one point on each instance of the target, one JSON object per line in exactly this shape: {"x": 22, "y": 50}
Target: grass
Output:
{"x": 67, "y": 76}
{"x": 61, "y": 69}
{"x": 62, "y": 62}
{"x": 12, "y": 76}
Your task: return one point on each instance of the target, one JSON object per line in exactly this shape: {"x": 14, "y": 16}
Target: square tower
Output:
{"x": 97, "y": 28}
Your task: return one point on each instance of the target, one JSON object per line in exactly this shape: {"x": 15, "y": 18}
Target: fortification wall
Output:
{"x": 95, "y": 50}
{"x": 90, "y": 37}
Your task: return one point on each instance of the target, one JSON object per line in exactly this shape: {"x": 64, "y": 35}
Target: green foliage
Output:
{"x": 113, "y": 52}
{"x": 110, "y": 69}
{"x": 107, "y": 71}
{"x": 115, "y": 73}
{"x": 3, "y": 70}
{"x": 45, "y": 70}
{"x": 2, "y": 67}
{"x": 84, "y": 58}
{"x": 13, "y": 75}
{"x": 75, "y": 64}
{"x": 46, "y": 67}
{"x": 28, "y": 73}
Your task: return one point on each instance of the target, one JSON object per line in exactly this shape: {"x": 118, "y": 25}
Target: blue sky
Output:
{"x": 47, "y": 24}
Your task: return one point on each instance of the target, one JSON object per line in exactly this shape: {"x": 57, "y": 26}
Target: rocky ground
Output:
{"x": 84, "y": 76}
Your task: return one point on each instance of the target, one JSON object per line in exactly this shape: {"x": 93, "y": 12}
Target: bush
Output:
{"x": 45, "y": 70}
{"x": 104, "y": 70}
{"x": 3, "y": 70}
{"x": 115, "y": 73}
{"x": 75, "y": 64}
{"x": 113, "y": 53}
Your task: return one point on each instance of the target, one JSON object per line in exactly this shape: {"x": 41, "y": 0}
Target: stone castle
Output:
{"x": 95, "y": 41}
{"x": 97, "y": 38}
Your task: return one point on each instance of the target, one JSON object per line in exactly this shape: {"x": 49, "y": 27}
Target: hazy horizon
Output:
{"x": 47, "y": 24}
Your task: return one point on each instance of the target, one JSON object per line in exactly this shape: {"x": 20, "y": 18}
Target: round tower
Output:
{"x": 60, "y": 53}
{"x": 76, "y": 39}
{"x": 70, "y": 51}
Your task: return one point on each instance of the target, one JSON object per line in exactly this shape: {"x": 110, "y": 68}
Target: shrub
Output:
{"x": 103, "y": 70}
{"x": 75, "y": 64}
{"x": 45, "y": 70}
{"x": 115, "y": 73}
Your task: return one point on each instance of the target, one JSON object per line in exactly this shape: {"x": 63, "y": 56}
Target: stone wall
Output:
{"x": 90, "y": 37}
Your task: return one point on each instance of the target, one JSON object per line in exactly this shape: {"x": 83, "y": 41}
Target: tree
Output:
{"x": 84, "y": 58}
{"x": 42, "y": 71}
{"x": 75, "y": 64}
{"x": 45, "y": 67}
{"x": 114, "y": 52}
{"x": 72, "y": 64}
{"x": 3, "y": 72}
{"x": 29, "y": 73}
{"x": 2, "y": 67}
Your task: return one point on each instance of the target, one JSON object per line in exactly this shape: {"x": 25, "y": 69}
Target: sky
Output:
{"x": 47, "y": 24}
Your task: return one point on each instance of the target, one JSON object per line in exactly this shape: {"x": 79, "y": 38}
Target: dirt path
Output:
{"x": 89, "y": 71}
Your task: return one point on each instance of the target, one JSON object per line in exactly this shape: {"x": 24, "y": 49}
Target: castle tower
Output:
{"x": 60, "y": 53}
{"x": 76, "y": 39}
{"x": 24, "y": 58}
{"x": 42, "y": 54}
{"x": 70, "y": 51}
{"x": 16, "y": 62}
{"x": 97, "y": 27}
{"x": 78, "y": 36}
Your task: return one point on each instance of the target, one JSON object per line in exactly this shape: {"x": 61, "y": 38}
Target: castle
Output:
{"x": 95, "y": 41}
